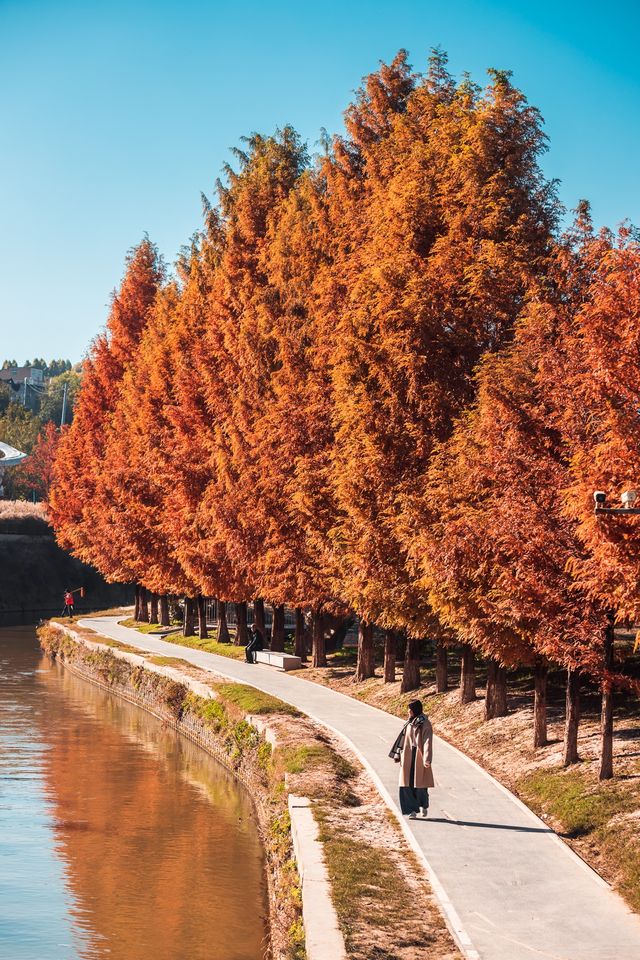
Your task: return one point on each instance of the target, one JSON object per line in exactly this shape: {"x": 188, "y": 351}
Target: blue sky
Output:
{"x": 115, "y": 115}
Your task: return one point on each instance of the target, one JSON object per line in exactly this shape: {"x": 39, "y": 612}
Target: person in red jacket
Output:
{"x": 68, "y": 604}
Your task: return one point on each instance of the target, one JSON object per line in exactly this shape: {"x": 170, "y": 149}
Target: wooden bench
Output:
{"x": 282, "y": 661}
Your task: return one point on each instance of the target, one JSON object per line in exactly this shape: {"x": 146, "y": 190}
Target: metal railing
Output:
{"x": 212, "y": 607}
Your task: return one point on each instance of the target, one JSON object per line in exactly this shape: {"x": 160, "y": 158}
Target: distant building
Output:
{"x": 21, "y": 379}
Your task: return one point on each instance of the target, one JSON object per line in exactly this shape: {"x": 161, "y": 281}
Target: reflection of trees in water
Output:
{"x": 157, "y": 857}
{"x": 199, "y": 769}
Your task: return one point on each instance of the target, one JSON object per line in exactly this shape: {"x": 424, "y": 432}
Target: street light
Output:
{"x": 628, "y": 498}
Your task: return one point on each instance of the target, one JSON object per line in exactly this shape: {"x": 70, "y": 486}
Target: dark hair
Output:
{"x": 416, "y": 707}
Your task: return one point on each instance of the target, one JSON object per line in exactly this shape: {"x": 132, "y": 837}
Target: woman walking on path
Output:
{"x": 414, "y": 752}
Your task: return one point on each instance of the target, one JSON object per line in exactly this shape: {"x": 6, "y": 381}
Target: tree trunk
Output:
{"x": 187, "y": 620}
{"x": 488, "y": 700}
{"x": 365, "y": 664}
{"x": 467, "y": 675}
{"x": 223, "y": 629}
{"x": 308, "y": 633}
{"x": 411, "y": 669}
{"x": 136, "y": 603}
{"x": 277, "y": 630}
{"x": 606, "y": 717}
{"x": 319, "y": 654}
{"x": 338, "y": 633}
{"x": 242, "y": 638}
{"x": 572, "y": 718}
{"x": 540, "y": 705}
{"x": 144, "y": 606}
{"x": 164, "y": 611}
{"x": 258, "y": 616}
{"x": 300, "y": 646}
{"x": 442, "y": 672}
{"x": 203, "y": 633}
{"x": 495, "y": 704}
{"x": 153, "y": 608}
{"x": 389, "y": 656}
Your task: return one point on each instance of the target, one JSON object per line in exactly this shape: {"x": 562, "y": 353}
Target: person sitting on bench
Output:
{"x": 256, "y": 642}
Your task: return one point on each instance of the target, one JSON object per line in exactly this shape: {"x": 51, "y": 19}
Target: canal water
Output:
{"x": 119, "y": 839}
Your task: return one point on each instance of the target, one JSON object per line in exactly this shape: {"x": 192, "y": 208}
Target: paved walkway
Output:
{"x": 512, "y": 889}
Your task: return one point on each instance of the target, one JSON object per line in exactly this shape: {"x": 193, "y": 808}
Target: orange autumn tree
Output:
{"x": 293, "y": 432}
{"x": 497, "y": 551}
{"x": 35, "y": 475}
{"x": 238, "y": 363}
{"x": 132, "y": 505}
{"x": 603, "y": 418}
{"x": 185, "y": 467}
{"x": 310, "y": 266}
{"x": 457, "y": 218}
{"x": 82, "y": 453}
{"x": 600, "y": 399}
{"x": 508, "y": 545}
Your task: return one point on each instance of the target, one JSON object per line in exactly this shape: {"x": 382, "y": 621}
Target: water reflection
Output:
{"x": 118, "y": 838}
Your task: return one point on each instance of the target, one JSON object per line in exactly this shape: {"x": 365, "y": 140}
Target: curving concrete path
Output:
{"x": 510, "y": 888}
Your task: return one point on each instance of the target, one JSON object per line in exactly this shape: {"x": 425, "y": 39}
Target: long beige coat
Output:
{"x": 422, "y": 739}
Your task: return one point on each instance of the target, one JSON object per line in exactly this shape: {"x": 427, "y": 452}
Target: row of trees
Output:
{"x": 50, "y": 368}
{"x": 381, "y": 382}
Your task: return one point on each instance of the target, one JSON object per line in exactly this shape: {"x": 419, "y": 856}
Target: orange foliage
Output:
{"x": 79, "y": 511}
{"x": 380, "y": 383}
{"x": 602, "y": 421}
{"x": 36, "y": 473}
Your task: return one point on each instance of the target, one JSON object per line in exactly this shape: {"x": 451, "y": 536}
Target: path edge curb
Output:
{"x": 322, "y": 935}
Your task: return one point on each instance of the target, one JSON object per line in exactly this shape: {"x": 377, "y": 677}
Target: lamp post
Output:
{"x": 629, "y": 498}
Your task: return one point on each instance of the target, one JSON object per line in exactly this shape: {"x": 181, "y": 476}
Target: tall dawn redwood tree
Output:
{"x": 82, "y": 453}
{"x": 454, "y": 220}
{"x": 132, "y": 502}
{"x": 496, "y": 547}
{"x": 599, "y": 396}
{"x": 239, "y": 361}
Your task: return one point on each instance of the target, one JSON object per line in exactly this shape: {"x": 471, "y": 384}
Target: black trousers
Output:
{"x": 412, "y": 798}
{"x": 249, "y": 652}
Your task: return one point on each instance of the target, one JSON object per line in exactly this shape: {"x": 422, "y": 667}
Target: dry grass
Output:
{"x": 142, "y": 627}
{"x": 18, "y": 509}
{"x": 166, "y": 661}
{"x": 210, "y": 645}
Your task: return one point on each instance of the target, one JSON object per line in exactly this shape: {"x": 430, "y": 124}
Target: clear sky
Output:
{"x": 115, "y": 115}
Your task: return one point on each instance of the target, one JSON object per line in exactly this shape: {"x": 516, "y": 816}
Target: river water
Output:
{"x": 119, "y": 839}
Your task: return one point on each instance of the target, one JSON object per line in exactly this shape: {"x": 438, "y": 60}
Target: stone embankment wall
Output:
{"x": 34, "y": 573}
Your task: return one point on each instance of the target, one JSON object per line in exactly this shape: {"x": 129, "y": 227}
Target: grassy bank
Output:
{"x": 210, "y": 645}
